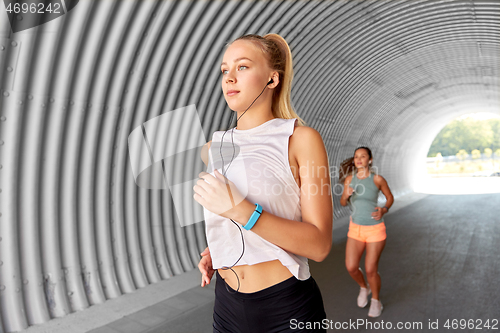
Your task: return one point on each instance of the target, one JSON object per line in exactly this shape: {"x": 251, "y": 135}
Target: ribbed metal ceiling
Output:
{"x": 76, "y": 230}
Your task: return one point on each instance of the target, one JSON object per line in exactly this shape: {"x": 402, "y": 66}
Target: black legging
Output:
{"x": 284, "y": 307}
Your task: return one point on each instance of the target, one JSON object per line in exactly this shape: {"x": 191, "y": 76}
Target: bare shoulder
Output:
{"x": 204, "y": 152}
{"x": 301, "y": 133}
{"x": 306, "y": 145}
{"x": 305, "y": 138}
{"x": 348, "y": 180}
{"x": 379, "y": 180}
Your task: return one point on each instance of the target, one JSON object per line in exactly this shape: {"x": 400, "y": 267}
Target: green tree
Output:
{"x": 497, "y": 152}
{"x": 476, "y": 154}
{"x": 466, "y": 134}
{"x": 495, "y": 128}
{"x": 488, "y": 152}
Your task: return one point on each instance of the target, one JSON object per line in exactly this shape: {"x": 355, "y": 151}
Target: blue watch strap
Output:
{"x": 253, "y": 219}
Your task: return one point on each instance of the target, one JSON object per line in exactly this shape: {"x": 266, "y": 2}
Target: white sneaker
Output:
{"x": 375, "y": 308}
{"x": 363, "y": 296}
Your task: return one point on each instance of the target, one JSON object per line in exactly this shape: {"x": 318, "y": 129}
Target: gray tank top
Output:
{"x": 364, "y": 200}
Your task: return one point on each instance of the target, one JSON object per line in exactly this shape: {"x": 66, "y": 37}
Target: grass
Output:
{"x": 463, "y": 168}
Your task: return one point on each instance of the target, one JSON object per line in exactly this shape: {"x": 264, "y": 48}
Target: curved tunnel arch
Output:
{"x": 76, "y": 230}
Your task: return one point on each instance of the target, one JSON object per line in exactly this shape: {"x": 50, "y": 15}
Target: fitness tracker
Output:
{"x": 253, "y": 219}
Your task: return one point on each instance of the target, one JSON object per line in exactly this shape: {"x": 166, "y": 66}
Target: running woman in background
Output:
{"x": 366, "y": 228}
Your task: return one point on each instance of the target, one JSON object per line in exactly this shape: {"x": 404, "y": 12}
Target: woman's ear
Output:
{"x": 275, "y": 78}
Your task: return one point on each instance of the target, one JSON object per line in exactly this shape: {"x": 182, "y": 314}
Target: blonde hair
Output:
{"x": 279, "y": 56}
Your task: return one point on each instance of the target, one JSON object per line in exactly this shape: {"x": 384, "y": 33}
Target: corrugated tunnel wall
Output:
{"x": 76, "y": 230}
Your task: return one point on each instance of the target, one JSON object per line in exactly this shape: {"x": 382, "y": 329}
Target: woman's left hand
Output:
{"x": 217, "y": 194}
{"x": 378, "y": 213}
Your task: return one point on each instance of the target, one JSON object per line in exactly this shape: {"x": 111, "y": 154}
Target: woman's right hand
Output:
{"x": 349, "y": 191}
{"x": 205, "y": 267}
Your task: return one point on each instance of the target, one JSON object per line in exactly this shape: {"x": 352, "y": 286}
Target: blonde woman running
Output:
{"x": 258, "y": 243}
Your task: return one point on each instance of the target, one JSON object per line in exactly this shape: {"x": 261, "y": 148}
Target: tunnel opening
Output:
{"x": 464, "y": 157}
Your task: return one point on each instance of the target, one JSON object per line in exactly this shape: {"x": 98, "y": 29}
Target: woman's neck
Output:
{"x": 363, "y": 172}
{"x": 253, "y": 119}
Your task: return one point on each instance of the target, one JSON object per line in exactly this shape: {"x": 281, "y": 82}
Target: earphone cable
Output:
{"x": 224, "y": 174}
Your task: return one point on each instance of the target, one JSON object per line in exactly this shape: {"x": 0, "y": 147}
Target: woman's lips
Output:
{"x": 232, "y": 92}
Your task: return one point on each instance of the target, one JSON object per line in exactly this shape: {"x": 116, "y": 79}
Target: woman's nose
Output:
{"x": 230, "y": 78}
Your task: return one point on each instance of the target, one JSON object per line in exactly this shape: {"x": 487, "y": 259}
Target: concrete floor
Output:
{"x": 441, "y": 263}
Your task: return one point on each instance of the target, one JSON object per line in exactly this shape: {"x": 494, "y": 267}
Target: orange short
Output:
{"x": 367, "y": 233}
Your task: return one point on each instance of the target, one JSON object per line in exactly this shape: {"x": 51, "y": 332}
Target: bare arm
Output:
{"x": 348, "y": 191}
{"x": 381, "y": 183}
{"x": 205, "y": 264}
{"x": 204, "y": 152}
{"x": 311, "y": 238}
{"x": 384, "y": 187}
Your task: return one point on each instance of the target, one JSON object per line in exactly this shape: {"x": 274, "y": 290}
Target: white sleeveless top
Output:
{"x": 261, "y": 172}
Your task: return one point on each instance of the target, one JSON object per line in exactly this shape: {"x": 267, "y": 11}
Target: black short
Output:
{"x": 289, "y": 306}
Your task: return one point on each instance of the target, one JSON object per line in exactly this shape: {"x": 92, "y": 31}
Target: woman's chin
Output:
{"x": 236, "y": 108}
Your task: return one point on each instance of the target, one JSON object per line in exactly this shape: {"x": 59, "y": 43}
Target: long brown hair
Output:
{"x": 279, "y": 56}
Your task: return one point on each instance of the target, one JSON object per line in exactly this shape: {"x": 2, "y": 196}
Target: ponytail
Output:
{"x": 279, "y": 55}
{"x": 346, "y": 168}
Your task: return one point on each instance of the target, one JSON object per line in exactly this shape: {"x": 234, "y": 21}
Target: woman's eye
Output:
{"x": 224, "y": 71}
{"x": 242, "y": 67}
